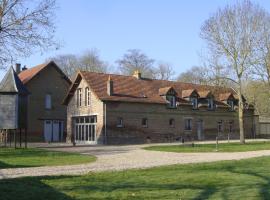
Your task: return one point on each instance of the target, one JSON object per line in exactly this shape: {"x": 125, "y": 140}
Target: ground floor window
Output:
{"x": 144, "y": 122}
{"x": 188, "y": 124}
{"x": 120, "y": 122}
{"x": 230, "y": 126}
{"x": 85, "y": 129}
{"x": 172, "y": 123}
{"x": 220, "y": 126}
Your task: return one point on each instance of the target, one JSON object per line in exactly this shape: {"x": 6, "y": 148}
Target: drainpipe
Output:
{"x": 105, "y": 123}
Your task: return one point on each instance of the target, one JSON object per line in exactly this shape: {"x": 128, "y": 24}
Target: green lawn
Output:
{"x": 222, "y": 147}
{"x": 244, "y": 179}
{"x": 14, "y": 158}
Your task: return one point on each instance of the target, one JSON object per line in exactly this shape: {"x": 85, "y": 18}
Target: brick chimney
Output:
{"x": 137, "y": 74}
{"x": 18, "y": 68}
{"x": 109, "y": 86}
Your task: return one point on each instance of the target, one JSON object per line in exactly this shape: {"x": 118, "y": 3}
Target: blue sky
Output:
{"x": 166, "y": 30}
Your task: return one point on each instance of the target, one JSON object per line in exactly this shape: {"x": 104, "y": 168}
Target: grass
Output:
{"x": 222, "y": 147}
{"x": 14, "y": 158}
{"x": 244, "y": 179}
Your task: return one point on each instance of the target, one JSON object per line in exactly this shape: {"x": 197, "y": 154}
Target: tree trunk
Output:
{"x": 240, "y": 114}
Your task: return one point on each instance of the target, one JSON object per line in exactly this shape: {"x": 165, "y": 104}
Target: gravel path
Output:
{"x": 125, "y": 157}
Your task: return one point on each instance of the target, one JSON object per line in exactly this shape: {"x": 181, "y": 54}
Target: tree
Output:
{"x": 133, "y": 60}
{"x": 232, "y": 35}
{"x": 87, "y": 61}
{"x": 164, "y": 71}
{"x": 196, "y": 75}
{"x": 25, "y": 26}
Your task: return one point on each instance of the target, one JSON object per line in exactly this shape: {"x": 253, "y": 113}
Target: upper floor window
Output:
{"x": 210, "y": 103}
{"x": 172, "y": 123}
{"x": 144, "y": 122}
{"x": 231, "y": 104}
{"x": 120, "y": 122}
{"x": 194, "y": 102}
{"x": 87, "y": 96}
{"x": 220, "y": 126}
{"x": 188, "y": 124}
{"x": 172, "y": 101}
{"x": 79, "y": 97}
{"x": 48, "y": 101}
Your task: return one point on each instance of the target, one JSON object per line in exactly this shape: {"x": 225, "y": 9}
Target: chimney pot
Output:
{"x": 137, "y": 74}
{"x": 24, "y": 68}
{"x": 18, "y": 68}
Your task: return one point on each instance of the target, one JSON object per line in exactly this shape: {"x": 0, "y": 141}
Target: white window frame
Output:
{"x": 220, "y": 126}
{"x": 172, "y": 122}
{"x": 79, "y": 97}
{"x": 48, "y": 101}
{"x": 231, "y": 104}
{"x": 194, "y": 101}
{"x": 87, "y": 96}
{"x": 146, "y": 122}
{"x": 210, "y": 103}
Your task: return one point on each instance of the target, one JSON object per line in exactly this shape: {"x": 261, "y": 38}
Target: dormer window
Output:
{"x": 194, "y": 102}
{"x": 231, "y": 104}
{"x": 210, "y": 103}
{"x": 172, "y": 101}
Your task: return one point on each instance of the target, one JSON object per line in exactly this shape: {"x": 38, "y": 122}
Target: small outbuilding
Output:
{"x": 13, "y": 108}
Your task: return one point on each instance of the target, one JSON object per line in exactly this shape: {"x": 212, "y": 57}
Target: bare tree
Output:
{"x": 87, "y": 61}
{"x": 196, "y": 75}
{"x": 133, "y": 60}
{"x": 164, "y": 71}
{"x": 25, "y": 26}
{"x": 232, "y": 34}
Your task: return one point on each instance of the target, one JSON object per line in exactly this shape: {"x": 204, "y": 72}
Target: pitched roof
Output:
{"x": 131, "y": 89}
{"x": 12, "y": 84}
{"x": 164, "y": 91}
{"x": 204, "y": 93}
{"x": 226, "y": 96}
{"x": 188, "y": 92}
{"x": 27, "y": 75}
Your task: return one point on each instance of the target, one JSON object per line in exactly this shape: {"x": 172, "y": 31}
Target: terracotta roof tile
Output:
{"x": 131, "y": 89}
{"x": 27, "y": 75}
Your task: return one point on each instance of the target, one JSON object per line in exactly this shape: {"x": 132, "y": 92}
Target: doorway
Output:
{"x": 200, "y": 130}
{"x": 53, "y": 130}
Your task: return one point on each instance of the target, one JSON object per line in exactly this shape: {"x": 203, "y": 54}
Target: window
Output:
{"x": 79, "y": 97}
{"x": 230, "y": 126}
{"x": 144, "y": 122}
{"x": 120, "y": 122}
{"x": 48, "y": 101}
{"x": 210, "y": 103}
{"x": 231, "y": 104}
{"x": 171, "y": 123}
{"x": 194, "y": 102}
{"x": 188, "y": 124}
{"x": 87, "y": 96}
{"x": 172, "y": 101}
{"x": 220, "y": 126}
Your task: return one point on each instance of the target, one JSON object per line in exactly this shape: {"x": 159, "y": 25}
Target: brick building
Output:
{"x": 48, "y": 86}
{"x": 116, "y": 109}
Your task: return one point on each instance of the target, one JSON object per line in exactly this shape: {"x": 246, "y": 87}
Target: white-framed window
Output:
{"x": 48, "y": 101}
{"x": 144, "y": 122}
{"x": 120, "y": 122}
{"x": 220, "y": 126}
{"x": 87, "y": 96}
{"x": 172, "y": 123}
{"x": 188, "y": 124}
{"x": 194, "y": 102}
{"x": 210, "y": 103}
{"x": 79, "y": 97}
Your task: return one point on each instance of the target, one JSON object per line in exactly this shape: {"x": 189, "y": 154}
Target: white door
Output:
{"x": 48, "y": 130}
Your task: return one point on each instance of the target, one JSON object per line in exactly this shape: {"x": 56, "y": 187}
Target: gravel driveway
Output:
{"x": 113, "y": 158}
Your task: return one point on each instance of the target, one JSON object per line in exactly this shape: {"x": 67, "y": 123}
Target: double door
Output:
{"x": 53, "y": 130}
